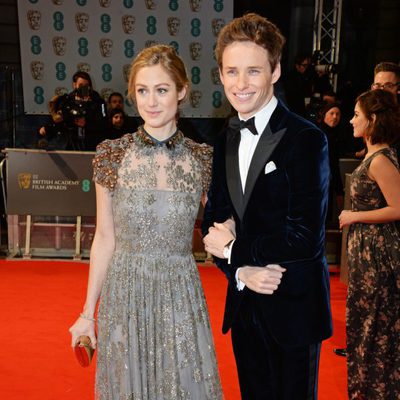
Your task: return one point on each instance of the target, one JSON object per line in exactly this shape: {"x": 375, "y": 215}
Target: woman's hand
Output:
{"x": 83, "y": 327}
{"x": 346, "y": 218}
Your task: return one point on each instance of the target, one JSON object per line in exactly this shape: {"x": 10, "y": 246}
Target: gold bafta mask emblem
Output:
{"x": 24, "y": 180}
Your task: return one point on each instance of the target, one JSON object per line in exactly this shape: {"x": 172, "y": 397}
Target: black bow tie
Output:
{"x": 238, "y": 124}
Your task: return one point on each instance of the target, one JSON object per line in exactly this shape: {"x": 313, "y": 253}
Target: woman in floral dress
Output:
{"x": 373, "y": 300}
{"x": 154, "y": 338}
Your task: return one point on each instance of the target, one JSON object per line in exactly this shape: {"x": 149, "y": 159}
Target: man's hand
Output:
{"x": 230, "y": 224}
{"x": 216, "y": 239}
{"x": 264, "y": 280}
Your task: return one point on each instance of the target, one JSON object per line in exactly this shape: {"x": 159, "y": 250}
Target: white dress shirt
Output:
{"x": 248, "y": 141}
{"x": 247, "y": 146}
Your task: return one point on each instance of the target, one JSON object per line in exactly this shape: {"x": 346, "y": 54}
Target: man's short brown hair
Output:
{"x": 252, "y": 28}
{"x": 387, "y": 66}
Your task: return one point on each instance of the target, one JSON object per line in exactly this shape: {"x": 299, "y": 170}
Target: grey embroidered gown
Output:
{"x": 154, "y": 337}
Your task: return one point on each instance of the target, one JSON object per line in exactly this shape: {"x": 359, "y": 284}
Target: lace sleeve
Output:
{"x": 202, "y": 152}
{"x": 109, "y": 154}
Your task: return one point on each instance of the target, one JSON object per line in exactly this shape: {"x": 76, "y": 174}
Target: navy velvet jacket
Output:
{"x": 279, "y": 220}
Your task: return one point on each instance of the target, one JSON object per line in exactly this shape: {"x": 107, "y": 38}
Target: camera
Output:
{"x": 83, "y": 92}
{"x": 319, "y": 67}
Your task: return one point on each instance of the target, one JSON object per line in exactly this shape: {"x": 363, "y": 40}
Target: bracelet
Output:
{"x": 82, "y": 315}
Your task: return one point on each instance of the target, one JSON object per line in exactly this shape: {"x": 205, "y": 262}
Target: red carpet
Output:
{"x": 39, "y": 300}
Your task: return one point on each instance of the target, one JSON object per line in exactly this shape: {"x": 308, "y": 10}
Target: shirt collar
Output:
{"x": 263, "y": 116}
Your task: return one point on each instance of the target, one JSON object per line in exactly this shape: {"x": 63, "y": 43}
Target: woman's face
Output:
{"x": 359, "y": 121}
{"x": 332, "y": 117}
{"x": 118, "y": 120}
{"x": 157, "y": 99}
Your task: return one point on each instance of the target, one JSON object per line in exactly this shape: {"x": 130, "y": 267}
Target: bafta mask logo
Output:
{"x": 151, "y": 4}
{"x": 174, "y": 24}
{"x": 195, "y": 5}
{"x": 34, "y": 19}
{"x": 105, "y": 93}
{"x": 24, "y": 180}
{"x": 60, "y": 90}
{"x": 195, "y": 98}
{"x": 37, "y": 68}
{"x": 106, "y": 46}
{"x": 149, "y": 43}
{"x": 82, "y": 21}
{"x": 126, "y": 70}
{"x": 84, "y": 67}
{"x": 105, "y": 3}
{"x": 215, "y": 76}
{"x": 195, "y": 50}
{"x": 59, "y": 45}
{"x": 128, "y": 23}
{"x": 217, "y": 24}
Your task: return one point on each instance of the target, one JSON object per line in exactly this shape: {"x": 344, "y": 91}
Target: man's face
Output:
{"x": 386, "y": 81}
{"x": 247, "y": 77}
{"x": 332, "y": 117}
{"x": 116, "y": 102}
{"x": 303, "y": 66}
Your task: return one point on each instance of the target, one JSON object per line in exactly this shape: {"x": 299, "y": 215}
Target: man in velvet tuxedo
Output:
{"x": 264, "y": 221}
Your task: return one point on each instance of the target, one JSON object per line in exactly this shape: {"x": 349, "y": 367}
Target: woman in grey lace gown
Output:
{"x": 373, "y": 248}
{"x": 154, "y": 339}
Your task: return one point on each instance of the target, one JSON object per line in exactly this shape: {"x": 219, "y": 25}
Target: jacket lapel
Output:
{"x": 232, "y": 170}
{"x": 270, "y": 138}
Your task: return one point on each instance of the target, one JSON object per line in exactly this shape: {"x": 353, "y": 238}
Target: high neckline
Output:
{"x": 149, "y": 141}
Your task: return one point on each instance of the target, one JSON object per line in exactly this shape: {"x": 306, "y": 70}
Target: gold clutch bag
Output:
{"x": 84, "y": 351}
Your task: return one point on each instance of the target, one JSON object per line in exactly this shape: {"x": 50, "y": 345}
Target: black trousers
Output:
{"x": 266, "y": 370}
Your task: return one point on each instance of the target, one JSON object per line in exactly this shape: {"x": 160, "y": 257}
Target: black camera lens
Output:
{"x": 83, "y": 91}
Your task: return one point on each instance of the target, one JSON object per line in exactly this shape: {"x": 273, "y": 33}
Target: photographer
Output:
{"x": 78, "y": 118}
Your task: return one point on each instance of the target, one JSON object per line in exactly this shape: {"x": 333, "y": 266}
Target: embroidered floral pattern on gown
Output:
{"x": 373, "y": 300}
{"x": 154, "y": 338}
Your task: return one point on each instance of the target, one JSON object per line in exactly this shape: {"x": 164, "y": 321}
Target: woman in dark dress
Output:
{"x": 373, "y": 301}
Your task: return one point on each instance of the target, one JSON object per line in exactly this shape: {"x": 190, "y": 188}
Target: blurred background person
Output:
{"x": 299, "y": 84}
{"x": 386, "y": 77}
{"x": 78, "y": 118}
{"x": 130, "y": 124}
{"x": 373, "y": 249}
{"x": 333, "y": 128}
{"x": 115, "y": 100}
{"x": 116, "y": 124}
